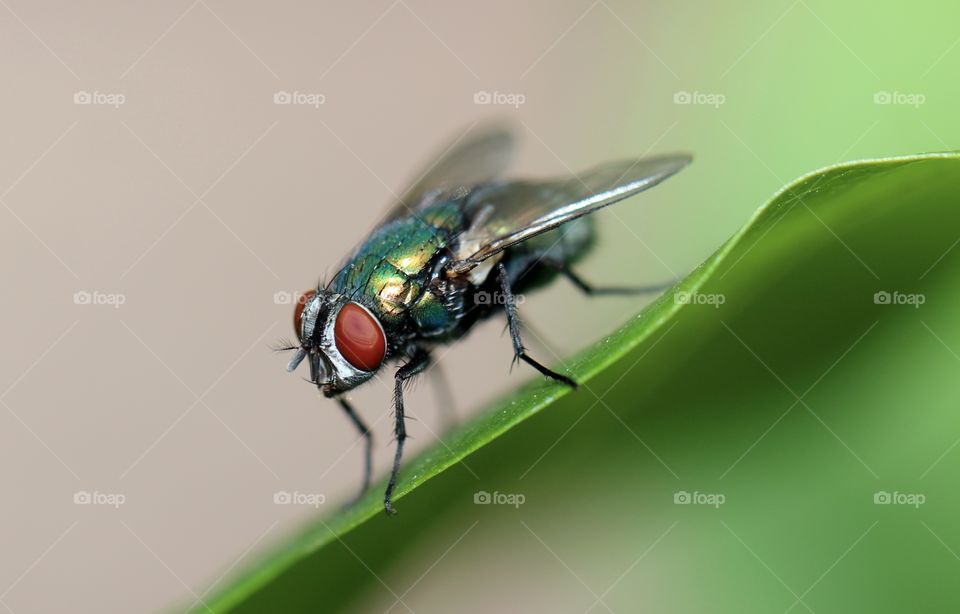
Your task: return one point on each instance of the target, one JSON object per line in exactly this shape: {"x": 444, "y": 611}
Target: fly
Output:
{"x": 455, "y": 249}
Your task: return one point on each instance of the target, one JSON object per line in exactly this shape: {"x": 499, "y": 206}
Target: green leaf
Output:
{"x": 814, "y": 254}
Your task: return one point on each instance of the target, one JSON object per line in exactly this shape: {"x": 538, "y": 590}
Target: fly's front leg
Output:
{"x": 513, "y": 321}
{"x": 367, "y": 445}
{"x": 588, "y": 288}
{"x": 417, "y": 364}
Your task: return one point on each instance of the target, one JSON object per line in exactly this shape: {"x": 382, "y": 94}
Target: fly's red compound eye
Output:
{"x": 298, "y": 309}
{"x": 359, "y": 337}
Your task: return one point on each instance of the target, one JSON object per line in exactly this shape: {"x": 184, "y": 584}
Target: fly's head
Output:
{"x": 342, "y": 341}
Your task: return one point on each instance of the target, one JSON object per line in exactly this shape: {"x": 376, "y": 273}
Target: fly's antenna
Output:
{"x": 296, "y": 360}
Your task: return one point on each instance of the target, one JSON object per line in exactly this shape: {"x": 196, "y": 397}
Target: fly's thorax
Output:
{"x": 393, "y": 266}
{"x": 390, "y": 292}
{"x": 439, "y": 311}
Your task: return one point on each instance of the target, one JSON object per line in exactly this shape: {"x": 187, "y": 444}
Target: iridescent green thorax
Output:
{"x": 390, "y": 271}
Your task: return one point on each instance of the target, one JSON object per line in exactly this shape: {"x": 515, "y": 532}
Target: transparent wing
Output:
{"x": 520, "y": 210}
{"x": 479, "y": 155}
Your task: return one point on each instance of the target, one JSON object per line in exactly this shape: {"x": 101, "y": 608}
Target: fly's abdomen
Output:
{"x": 564, "y": 244}
{"x": 531, "y": 263}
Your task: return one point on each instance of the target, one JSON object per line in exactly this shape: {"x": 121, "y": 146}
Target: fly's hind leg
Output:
{"x": 367, "y": 445}
{"x": 417, "y": 364}
{"x": 589, "y": 289}
{"x": 513, "y": 322}
{"x": 444, "y": 396}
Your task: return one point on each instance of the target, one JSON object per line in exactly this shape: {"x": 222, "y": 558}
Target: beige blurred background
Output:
{"x": 159, "y": 208}
{"x": 185, "y": 193}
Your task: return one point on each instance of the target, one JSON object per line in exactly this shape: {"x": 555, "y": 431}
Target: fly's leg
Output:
{"x": 367, "y": 445}
{"x": 417, "y": 364}
{"x": 513, "y": 322}
{"x": 590, "y": 289}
